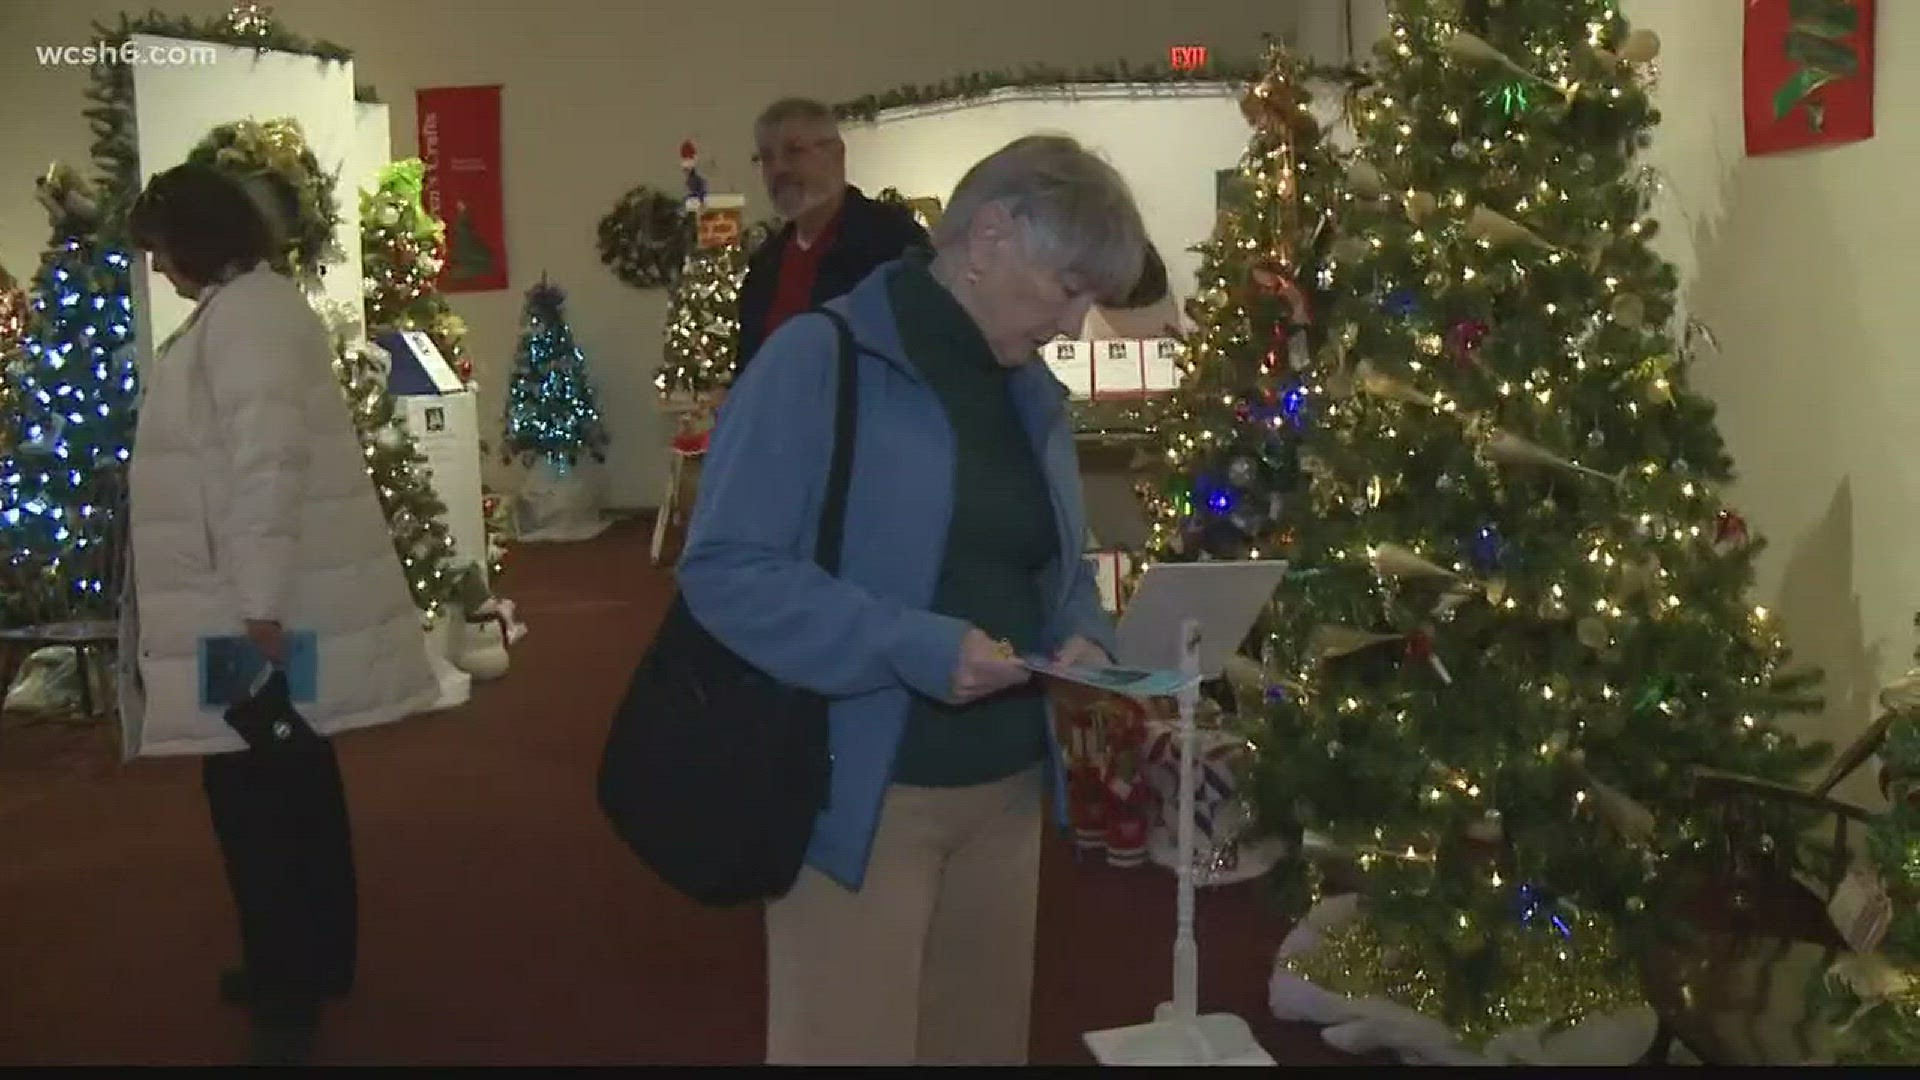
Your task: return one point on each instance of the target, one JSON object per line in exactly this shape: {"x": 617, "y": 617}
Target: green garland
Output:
{"x": 115, "y": 153}
{"x": 980, "y": 84}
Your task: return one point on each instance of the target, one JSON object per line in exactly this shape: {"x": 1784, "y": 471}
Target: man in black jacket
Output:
{"x": 834, "y": 235}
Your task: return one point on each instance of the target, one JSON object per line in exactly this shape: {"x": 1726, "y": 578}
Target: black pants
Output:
{"x": 281, "y": 816}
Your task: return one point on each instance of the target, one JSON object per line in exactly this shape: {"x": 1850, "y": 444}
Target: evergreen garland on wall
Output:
{"x": 110, "y": 95}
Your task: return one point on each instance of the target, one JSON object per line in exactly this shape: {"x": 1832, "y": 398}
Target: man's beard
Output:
{"x": 796, "y": 199}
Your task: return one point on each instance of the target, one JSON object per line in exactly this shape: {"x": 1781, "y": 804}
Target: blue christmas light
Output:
{"x": 1402, "y": 303}
{"x": 1533, "y": 906}
{"x": 1292, "y": 403}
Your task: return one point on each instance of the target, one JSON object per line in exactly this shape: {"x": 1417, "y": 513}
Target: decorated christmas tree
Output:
{"x": 13, "y": 329}
{"x": 1522, "y": 617}
{"x": 1873, "y": 999}
{"x": 703, "y": 322}
{"x": 403, "y": 248}
{"x": 550, "y": 408}
{"x": 73, "y": 385}
{"x": 416, "y": 516}
{"x": 1230, "y": 480}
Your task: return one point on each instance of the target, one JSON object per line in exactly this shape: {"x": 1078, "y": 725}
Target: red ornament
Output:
{"x": 1274, "y": 279}
{"x": 1419, "y": 646}
{"x": 1242, "y": 411}
{"x": 690, "y": 442}
{"x": 688, "y": 153}
{"x": 1730, "y": 528}
{"x": 1465, "y": 338}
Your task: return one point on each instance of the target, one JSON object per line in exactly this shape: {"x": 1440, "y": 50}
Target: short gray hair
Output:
{"x": 796, "y": 108}
{"x": 1075, "y": 211}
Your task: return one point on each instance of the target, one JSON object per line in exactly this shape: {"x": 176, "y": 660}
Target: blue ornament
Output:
{"x": 1488, "y": 549}
{"x": 1402, "y": 303}
{"x": 1293, "y": 404}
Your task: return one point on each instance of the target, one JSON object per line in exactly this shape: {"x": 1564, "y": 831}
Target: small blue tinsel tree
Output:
{"x": 550, "y": 401}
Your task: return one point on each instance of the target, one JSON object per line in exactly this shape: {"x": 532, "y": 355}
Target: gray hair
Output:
{"x": 1075, "y": 211}
{"x": 795, "y": 108}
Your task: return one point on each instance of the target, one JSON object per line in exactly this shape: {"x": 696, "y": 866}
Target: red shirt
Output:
{"x": 793, "y": 288}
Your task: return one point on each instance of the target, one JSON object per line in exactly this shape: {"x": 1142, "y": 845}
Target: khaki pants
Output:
{"x": 931, "y": 962}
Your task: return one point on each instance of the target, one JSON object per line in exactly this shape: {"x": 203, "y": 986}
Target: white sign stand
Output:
{"x": 1214, "y": 605}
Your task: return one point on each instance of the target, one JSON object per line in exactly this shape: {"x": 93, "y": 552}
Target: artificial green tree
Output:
{"x": 1522, "y": 616}
{"x": 73, "y": 387}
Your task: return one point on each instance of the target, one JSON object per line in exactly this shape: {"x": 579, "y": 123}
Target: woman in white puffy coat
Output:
{"x": 252, "y": 513}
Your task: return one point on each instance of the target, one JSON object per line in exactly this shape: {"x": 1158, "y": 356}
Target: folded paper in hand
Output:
{"x": 1131, "y": 682}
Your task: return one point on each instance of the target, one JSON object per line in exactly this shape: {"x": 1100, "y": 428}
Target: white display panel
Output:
{"x": 446, "y": 427}
{"x": 1168, "y": 141}
{"x": 372, "y": 145}
{"x": 177, "y": 105}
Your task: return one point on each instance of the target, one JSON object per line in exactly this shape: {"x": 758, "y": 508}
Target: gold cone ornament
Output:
{"x": 1485, "y": 224}
{"x": 1365, "y": 179}
{"x": 1380, "y": 384}
{"x": 1640, "y": 47}
{"x": 1505, "y": 448}
{"x": 1328, "y": 640}
{"x": 1394, "y": 561}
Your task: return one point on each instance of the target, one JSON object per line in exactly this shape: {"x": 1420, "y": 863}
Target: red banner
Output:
{"x": 460, "y": 143}
{"x": 1808, "y": 78}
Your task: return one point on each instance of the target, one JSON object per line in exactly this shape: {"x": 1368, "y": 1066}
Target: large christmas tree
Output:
{"x": 550, "y": 408}
{"x": 73, "y": 385}
{"x": 1522, "y": 619}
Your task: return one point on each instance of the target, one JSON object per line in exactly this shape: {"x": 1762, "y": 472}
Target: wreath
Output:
{"x": 646, "y": 237}
{"x": 277, "y": 151}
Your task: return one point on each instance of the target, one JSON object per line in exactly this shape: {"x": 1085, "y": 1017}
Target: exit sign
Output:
{"x": 1187, "y": 57}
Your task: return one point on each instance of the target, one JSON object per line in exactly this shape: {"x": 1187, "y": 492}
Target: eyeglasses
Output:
{"x": 790, "y": 150}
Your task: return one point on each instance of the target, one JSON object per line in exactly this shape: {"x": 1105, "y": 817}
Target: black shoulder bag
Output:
{"x": 713, "y": 771}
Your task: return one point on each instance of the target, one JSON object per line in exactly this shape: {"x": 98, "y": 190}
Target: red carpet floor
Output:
{"x": 501, "y": 921}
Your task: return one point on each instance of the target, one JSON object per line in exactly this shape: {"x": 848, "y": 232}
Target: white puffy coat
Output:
{"x": 250, "y": 499}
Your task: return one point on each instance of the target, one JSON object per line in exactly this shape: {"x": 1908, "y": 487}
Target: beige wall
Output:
{"x": 598, "y": 95}
{"x": 1803, "y": 265}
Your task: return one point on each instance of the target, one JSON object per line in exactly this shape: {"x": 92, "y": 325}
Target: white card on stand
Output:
{"x": 1162, "y": 365}
{"x": 1225, "y": 596}
{"x": 1117, "y": 369}
{"x": 1109, "y": 569}
{"x": 1072, "y": 364}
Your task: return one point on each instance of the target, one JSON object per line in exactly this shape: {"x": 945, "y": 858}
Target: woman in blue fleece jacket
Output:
{"x": 910, "y": 936}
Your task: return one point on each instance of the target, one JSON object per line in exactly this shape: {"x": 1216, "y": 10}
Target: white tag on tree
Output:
{"x": 1162, "y": 365}
{"x": 1118, "y": 369}
{"x": 1072, "y": 364}
{"x": 1861, "y": 909}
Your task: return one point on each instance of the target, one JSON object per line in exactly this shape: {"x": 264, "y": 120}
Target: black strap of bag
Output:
{"x": 833, "y": 512}
{"x": 714, "y": 772}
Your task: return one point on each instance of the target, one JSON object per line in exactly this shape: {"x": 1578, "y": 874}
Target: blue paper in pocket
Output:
{"x": 229, "y": 667}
